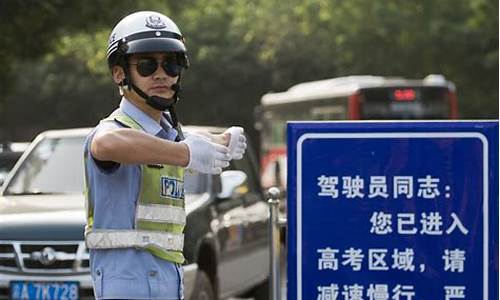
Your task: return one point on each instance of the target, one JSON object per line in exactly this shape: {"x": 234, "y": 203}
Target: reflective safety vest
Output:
{"x": 160, "y": 216}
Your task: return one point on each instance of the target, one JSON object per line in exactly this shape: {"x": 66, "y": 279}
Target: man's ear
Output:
{"x": 118, "y": 74}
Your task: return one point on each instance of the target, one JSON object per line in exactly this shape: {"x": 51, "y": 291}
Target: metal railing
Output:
{"x": 275, "y": 223}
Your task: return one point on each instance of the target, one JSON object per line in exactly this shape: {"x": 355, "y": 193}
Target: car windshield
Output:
{"x": 55, "y": 166}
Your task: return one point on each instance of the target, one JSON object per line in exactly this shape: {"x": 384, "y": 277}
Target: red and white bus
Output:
{"x": 363, "y": 97}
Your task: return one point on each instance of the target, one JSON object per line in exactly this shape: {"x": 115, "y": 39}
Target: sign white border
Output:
{"x": 379, "y": 135}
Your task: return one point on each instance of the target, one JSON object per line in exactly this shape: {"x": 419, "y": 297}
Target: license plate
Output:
{"x": 38, "y": 290}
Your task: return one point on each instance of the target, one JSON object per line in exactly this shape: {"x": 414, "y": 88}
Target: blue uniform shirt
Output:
{"x": 127, "y": 273}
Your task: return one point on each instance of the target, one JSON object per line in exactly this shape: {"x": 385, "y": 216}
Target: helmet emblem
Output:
{"x": 48, "y": 256}
{"x": 155, "y": 22}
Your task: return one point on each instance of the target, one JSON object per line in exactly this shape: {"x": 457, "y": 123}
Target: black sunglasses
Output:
{"x": 147, "y": 66}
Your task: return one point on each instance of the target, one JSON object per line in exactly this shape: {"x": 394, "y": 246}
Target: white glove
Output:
{"x": 205, "y": 156}
{"x": 237, "y": 143}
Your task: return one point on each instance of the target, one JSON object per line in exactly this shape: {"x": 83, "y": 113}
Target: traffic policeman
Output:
{"x": 135, "y": 161}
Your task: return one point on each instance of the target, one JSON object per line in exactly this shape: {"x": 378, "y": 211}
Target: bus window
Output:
{"x": 404, "y": 103}
{"x": 278, "y": 132}
{"x": 336, "y": 112}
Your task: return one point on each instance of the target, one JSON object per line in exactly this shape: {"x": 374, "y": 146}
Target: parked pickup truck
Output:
{"x": 42, "y": 218}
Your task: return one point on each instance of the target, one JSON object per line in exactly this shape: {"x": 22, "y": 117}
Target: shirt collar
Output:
{"x": 147, "y": 123}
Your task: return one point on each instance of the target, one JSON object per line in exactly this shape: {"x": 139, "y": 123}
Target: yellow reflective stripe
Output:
{"x": 165, "y": 227}
{"x": 163, "y": 201}
{"x": 89, "y": 209}
{"x": 123, "y": 118}
{"x": 161, "y": 213}
{"x": 111, "y": 239}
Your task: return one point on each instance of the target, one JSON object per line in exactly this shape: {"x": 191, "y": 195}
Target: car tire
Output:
{"x": 261, "y": 292}
{"x": 203, "y": 288}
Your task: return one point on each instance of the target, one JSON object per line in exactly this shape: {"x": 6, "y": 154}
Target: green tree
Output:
{"x": 241, "y": 49}
{"x": 52, "y": 51}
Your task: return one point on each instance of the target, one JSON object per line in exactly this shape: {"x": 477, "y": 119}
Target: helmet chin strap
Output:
{"x": 160, "y": 103}
{"x": 156, "y": 102}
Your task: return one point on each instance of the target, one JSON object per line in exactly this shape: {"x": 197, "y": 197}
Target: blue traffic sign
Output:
{"x": 392, "y": 210}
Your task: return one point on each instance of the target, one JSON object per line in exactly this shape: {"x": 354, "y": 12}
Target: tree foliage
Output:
{"x": 53, "y": 53}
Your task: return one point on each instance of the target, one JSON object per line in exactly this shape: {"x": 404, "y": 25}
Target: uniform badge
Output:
{"x": 172, "y": 188}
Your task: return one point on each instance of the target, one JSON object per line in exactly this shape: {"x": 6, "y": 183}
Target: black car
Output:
{"x": 42, "y": 217}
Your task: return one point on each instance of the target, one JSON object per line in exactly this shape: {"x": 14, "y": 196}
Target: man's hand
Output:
{"x": 205, "y": 156}
{"x": 237, "y": 142}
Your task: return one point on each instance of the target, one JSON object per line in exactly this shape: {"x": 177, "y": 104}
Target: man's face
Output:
{"x": 148, "y": 74}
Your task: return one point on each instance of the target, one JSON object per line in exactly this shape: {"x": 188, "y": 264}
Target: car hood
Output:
{"x": 52, "y": 217}
{"x": 42, "y": 217}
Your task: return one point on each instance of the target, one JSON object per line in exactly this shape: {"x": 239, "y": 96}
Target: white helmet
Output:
{"x": 144, "y": 31}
